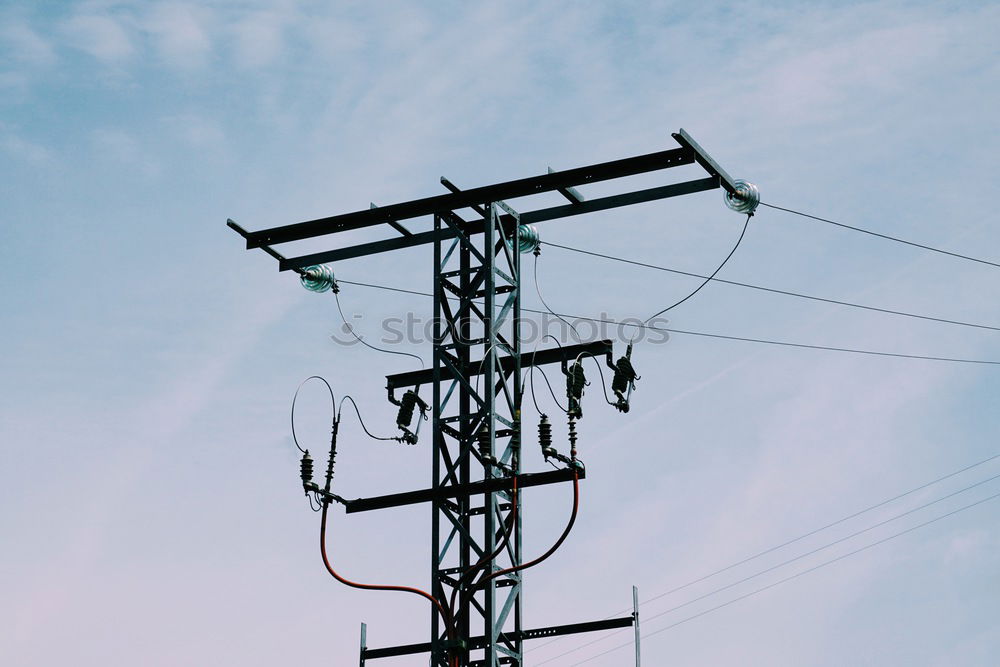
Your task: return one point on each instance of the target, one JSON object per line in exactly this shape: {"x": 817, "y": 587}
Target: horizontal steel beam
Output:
{"x": 454, "y": 201}
{"x": 704, "y": 159}
{"x": 491, "y": 485}
{"x": 530, "y": 217}
{"x": 479, "y": 642}
{"x": 597, "y": 348}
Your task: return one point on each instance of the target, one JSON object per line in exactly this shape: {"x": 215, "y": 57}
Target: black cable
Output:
{"x": 600, "y": 370}
{"x": 295, "y": 397}
{"x": 538, "y": 291}
{"x": 360, "y": 420}
{"x": 361, "y": 340}
{"x": 531, "y": 377}
{"x": 762, "y": 341}
{"x": 772, "y": 290}
{"x": 546, "y": 378}
{"x": 709, "y": 279}
{"x": 789, "y": 578}
{"x": 883, "y": 236}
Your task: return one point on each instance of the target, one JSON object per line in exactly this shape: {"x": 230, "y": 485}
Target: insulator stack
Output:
{"x": 329, "y": 466}
{"x": 306, "y": 470}
{"x": 545, "y": 437}
{"x": 572, "y": 438}
{"x": 485, "y": 447}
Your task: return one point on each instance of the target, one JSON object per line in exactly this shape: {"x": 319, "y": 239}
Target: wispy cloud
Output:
{"x": 103, "y": 36}
{"x": 181, "y": 33}
{"x": 23, "y": 44}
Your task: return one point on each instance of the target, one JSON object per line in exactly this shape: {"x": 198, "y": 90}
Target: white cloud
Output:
{"x": 20, "y": 148}
{"x": 259, "y": 38}
{"x": 181, "y": 33}
{"x": 121, "y": 147}
{"x": 102, "y": 36}
{"x": 26, "y": 45}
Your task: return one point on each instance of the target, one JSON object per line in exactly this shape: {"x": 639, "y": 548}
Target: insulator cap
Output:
{"x": 745, "y": 199}
{"x": 318, "y": 278}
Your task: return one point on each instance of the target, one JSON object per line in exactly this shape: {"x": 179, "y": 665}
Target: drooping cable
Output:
{"x": 295, "y": 398}
{"x": 600, "y": 370}
{"x": 884, "y": 236}
{"x": 538, "y": 291}
{"x": 558, "y": 543}
{"x": 531, "y": 377}
{"x": 446, "y": 619}
{"x": 508, "y": 531}
{"x": 710, "y": 277}
{"x": 799, "y": 295}
{"x": 350, "y": 330}
{"x": 360, "y": 420}
{"x": 376, "y": 587}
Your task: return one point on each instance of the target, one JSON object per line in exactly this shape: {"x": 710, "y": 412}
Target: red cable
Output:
{"x": 562, "y": 538}
{"x": 500, "y": 547}
{"x": 376, "y": 587}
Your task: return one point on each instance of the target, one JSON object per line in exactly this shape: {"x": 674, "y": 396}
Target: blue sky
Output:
{"x": 150, "y": 503}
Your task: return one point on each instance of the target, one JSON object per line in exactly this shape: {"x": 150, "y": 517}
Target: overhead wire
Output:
{"x": 799, "y": 538}
{"x": 788, "y": 578}
{"x": 883, "y": 236}
{"x": 787, "y": 562}
{"x": 745, "y": 339}
{"x": 772, "y": 290}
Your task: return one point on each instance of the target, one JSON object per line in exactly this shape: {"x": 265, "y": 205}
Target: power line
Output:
{"x": 788, "y": 562}
{"x": 773, "y": 290}
{"x": 794, "y": 576}
{"x": 883, "y": 236}
{"x": 684, "y": 332}
{"x": 800, "y": 537}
